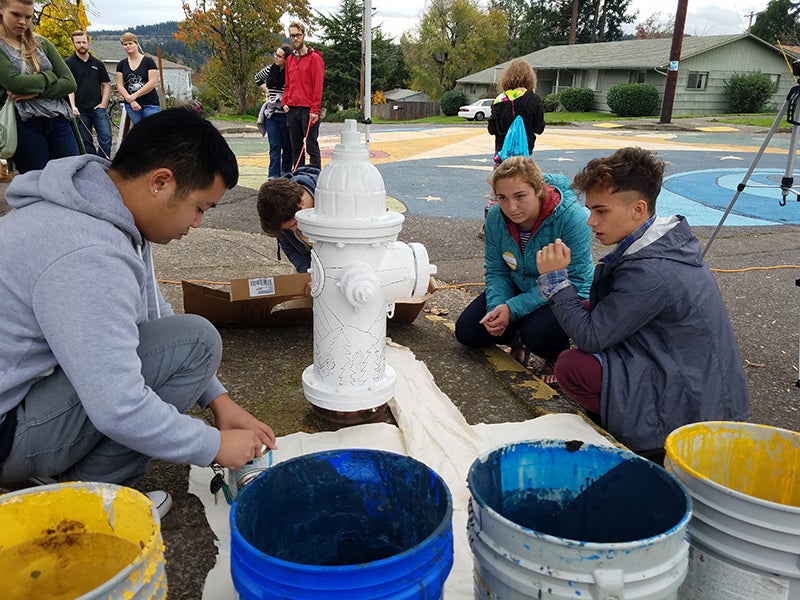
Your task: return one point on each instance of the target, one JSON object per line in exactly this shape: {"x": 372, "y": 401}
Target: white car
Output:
{"x": 478, "y": 110}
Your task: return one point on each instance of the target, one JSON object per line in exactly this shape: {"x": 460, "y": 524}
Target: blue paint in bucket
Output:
{"x": 574, "y": 519}
{"x": 355, "y": 524}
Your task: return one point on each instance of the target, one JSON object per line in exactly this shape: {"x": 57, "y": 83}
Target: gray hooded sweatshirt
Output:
{"x": 76, "y": 280}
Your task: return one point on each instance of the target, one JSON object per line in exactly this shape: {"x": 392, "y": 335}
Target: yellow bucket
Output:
{"x": 81, "y": 540}
{"x": 744, "y": 480}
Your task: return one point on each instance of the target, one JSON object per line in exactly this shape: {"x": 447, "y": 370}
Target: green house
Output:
{"x": 706, "y": 63}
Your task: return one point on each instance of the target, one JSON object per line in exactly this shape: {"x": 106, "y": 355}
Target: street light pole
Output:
{"x": 367, "y": 101}
{"x": 674, "y": 59}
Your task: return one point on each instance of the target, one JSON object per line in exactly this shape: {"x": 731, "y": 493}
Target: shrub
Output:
{"x": 633, "y": 99}
{"x": 748, "y": 92}
{"x": 551, "y": 102}
{"x": 451, "y": 101}
{"x": 576, "y": 99}
{"x": 348, "y": 113}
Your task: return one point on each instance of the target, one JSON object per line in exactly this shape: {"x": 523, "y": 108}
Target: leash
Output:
{"x": 303, "y": 149}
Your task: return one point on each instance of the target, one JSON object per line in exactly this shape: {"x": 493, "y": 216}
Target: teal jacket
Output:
{"x": 48, "y": 84}
{"x": 511, "y": 276}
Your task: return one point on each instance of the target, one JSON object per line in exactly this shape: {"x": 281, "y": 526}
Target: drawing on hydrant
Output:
{"x": 358, "y": 271}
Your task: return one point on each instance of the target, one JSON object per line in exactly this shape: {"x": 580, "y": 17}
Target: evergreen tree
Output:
{"x": 777, "y": 22}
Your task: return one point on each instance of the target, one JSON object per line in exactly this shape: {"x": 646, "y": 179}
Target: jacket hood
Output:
{"x": 79, "y": 183}
{"x": 306, "y": 177}
{"x": 667, "y": 238}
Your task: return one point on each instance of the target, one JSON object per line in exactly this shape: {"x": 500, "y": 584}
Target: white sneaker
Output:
{"x": 162, "y": 501}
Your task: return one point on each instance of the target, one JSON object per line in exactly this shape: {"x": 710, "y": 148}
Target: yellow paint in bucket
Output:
{"x": 756, "y": 460}
{"x": 90, "y": 540}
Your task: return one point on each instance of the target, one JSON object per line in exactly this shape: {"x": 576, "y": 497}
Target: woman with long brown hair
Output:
{"x": 44, "y": 116}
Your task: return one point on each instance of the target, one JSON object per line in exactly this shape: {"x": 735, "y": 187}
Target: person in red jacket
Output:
{"x": 302, "y": 98}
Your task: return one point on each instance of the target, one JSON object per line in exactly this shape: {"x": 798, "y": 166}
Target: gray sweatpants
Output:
{"x": 54, "y": 437}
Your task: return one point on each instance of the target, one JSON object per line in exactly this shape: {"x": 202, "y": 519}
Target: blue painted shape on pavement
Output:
{"x": 707, "y": 193}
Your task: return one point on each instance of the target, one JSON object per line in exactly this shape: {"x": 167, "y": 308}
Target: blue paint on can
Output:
{"x": 343, "y": 524}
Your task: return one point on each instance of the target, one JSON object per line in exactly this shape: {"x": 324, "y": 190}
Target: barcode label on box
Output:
{"x": 262, "y": 286}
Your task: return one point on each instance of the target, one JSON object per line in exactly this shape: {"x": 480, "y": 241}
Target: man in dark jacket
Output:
{"x": 278, "y": 201}
{"x": 656, "y": 348}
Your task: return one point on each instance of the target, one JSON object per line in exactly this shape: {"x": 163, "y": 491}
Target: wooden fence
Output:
{"x": 405, "y": 111}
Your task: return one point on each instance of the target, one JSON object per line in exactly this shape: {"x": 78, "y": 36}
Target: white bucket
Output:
{"x": 552, "y": 520}
{"x": 745, "y": 483}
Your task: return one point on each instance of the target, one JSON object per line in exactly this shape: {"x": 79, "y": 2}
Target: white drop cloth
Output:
{"x": 430, "y": 429}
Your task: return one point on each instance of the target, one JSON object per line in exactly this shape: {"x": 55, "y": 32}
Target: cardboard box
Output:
{"x": 272, "y": 301}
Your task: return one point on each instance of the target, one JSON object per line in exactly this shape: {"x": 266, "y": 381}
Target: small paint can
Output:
{"x": 238, "y": 479}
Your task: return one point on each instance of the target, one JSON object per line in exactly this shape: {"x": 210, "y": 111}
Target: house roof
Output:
{"x": 400, "y": 94}
{"x": 112, "y": 51}
{"x": 628, "y": 54}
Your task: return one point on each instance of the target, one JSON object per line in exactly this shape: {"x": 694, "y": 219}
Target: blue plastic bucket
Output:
{"x": 563, "y": 519}
{"x": 349, "y": 524}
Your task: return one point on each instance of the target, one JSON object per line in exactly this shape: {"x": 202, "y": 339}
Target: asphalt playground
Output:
{"x": 437, "y": 177}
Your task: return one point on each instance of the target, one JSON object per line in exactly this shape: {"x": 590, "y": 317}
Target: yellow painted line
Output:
{"x": 717, "y": 128}
{"x": 607, "y": 125}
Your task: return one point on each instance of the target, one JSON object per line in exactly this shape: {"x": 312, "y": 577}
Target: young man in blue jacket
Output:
{"x": 96, "y": 372}
{"x": 278, "y": 201}
{"x": 656, "y": 348}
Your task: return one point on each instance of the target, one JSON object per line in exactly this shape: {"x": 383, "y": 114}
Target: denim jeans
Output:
{"x": 40, "y": 139}
{"x": 55, "y": 438}
{"x": 137, "y": 115}
{"x": 280, "y": 145}
{"x": 97, "y": 118}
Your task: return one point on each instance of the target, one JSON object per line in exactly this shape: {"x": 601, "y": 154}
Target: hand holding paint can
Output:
{"x": 239, "y": 478}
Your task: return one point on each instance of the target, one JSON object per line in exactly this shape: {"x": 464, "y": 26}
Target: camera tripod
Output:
{"x": 787, "y": 182}
{"x": 789, "y": 108}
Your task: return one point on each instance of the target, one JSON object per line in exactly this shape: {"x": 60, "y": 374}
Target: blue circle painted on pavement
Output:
{"x": 759, "y": 202}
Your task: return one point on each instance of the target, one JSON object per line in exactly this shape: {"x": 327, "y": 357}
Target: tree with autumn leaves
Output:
{"x": 57, "y": 19}
{"x": 240, "y": 34}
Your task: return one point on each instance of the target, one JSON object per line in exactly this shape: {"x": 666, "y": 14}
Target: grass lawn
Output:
{"x": 564, "y": 118}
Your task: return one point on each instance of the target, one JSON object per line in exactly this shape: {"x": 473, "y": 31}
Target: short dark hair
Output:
{"x": 631, "y": 169}
{"x": 182, "y": 141}
{"x": 278, "y": 201}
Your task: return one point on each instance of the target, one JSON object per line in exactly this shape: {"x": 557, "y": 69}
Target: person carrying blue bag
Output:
{"x": 517, "y": 107}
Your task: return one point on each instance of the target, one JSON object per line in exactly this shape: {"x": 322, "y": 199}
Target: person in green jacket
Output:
{"x": 35, "y": 77}
{"x": 532, "y": 210}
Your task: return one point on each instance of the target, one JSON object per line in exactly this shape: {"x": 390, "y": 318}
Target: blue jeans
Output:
{"x": 280, "y": 145}
{"x": 40, "y": 139}
{"x": 137, "y": 115}
{"x": 54, "y": 436}
{"x": 97, "y": 118}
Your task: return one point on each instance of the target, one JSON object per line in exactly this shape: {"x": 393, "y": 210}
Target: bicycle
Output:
{"x": 115, "y": 109}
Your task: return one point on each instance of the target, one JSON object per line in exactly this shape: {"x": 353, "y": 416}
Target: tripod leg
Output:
{"x": 743, "y": 184}
{"x": 788, "y": 179}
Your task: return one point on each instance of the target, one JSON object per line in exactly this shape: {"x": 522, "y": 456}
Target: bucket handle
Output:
{"x": 610, "y": 584}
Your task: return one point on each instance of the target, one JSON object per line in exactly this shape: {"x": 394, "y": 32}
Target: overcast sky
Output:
{"x": 704, "y": 17}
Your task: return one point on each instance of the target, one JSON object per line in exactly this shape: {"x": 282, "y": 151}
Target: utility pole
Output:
{"x": 674, "y": 59}
{"x": 750, "y": 16}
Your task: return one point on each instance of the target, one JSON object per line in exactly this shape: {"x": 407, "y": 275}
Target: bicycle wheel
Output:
{"x": 114, "y": 113}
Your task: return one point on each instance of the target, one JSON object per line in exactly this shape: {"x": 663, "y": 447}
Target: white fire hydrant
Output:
{"x": 358, "y": 271}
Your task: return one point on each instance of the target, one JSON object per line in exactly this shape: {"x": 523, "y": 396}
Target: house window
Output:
{"x": 775, "y": 79}
{"x": 636, "y": 76}
{"x": 697, "y": 80}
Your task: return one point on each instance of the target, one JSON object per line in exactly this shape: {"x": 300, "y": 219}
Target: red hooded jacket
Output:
{"x": 304, "y": 76}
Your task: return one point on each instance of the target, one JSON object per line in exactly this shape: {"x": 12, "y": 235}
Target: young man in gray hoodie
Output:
{"x": 96, "y": 372}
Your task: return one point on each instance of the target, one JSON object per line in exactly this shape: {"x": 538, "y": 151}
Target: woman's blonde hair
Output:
{"x": 129, "y": 37}
{"x": 518, "y": 74}
{"x": 523, "y": 168}
{"x": 28, "y": 43}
